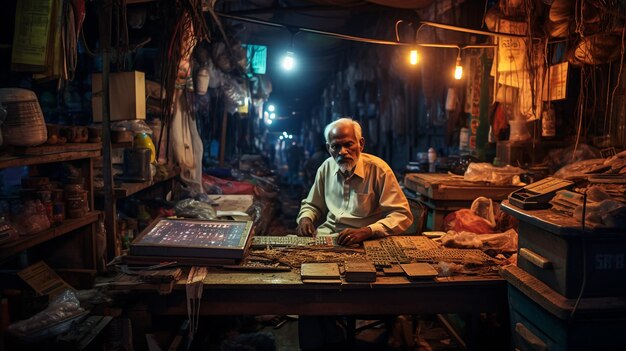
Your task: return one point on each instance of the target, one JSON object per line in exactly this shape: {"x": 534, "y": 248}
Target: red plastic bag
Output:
{"x": 228, "y": 187}
{"x": 465, "y": 220}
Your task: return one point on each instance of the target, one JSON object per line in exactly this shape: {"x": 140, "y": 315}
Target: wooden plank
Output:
{"x": 26, "y": 242}
{"x": 128, "y": 189}
{"x": 122, "y": 145}
{"x": 19, "y": 161}
{"x": 55, "y": 149}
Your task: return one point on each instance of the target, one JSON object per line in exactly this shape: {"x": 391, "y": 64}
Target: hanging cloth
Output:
{"x": 186, "y": 144}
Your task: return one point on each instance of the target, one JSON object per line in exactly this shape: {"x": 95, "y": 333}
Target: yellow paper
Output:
{"x": 32, "y": 28}
{"x": 43, "y": 279}
{"x": 555, "y": 84}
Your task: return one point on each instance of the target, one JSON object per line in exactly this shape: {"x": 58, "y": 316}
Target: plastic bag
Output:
{"x": 599, "y": 212}
{"x": 464, "y": 240}
{"x": 578, "y": 169}
{"x": 499, "y": 242}
{"x": 134, "y": 125}
{"x": 54, "y": 320}
{"x": 465, "y": 220}
{"x": 448, "y": 269}
{"x": 483, "y": 207}
{"x": 558, "y": 158}
{"x": 191, "y": 208}
{"x": 226, "y": 186}
{"x": 486, "y": 172}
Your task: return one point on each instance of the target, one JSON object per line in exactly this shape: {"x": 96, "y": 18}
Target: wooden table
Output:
{"x": 229, "y": 293}
{"x": 441, "y": 194}
{"x": 283, "y": 293}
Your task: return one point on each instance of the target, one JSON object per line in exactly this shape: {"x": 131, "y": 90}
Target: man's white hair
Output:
{"x": 341, "y": 122}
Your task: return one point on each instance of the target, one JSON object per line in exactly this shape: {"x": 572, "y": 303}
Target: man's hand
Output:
{"x": 305, "y": 227}
{"x": 354, "y": 236}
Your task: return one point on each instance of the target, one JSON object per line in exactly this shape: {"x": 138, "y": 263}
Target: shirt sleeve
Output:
{"x": 397, "y": 216}
{"x": 314, "y": 205}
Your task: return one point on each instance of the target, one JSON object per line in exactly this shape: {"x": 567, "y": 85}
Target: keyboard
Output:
{"x": 293, "y": 240}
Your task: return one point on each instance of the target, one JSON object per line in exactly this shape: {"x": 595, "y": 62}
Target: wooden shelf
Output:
{"x": 60, "y": 156}
{"x": 128, "y": 189}
{"x": 26, "y": 242}
{"x": 123, "y": 145}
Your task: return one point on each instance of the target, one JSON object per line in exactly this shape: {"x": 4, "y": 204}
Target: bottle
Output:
{"x": 432, "y": 157}
{"x": 548, "y": 123}
{"x": 143, "y": 140}
{"x": 464, "y": 141}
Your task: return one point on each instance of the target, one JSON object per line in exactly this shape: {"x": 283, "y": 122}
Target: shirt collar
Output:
{"x": 359, "y": 169}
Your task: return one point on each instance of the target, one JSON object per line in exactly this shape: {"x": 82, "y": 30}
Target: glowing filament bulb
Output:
{"x": 458, "y": 70}
{"x": 414, "y": 57}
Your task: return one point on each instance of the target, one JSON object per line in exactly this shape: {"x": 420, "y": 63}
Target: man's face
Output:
{"x": 344, "y": 147}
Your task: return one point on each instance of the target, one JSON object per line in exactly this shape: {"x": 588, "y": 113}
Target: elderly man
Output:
{"x": 356, "y": 193}
{"x": 359, "y": 198}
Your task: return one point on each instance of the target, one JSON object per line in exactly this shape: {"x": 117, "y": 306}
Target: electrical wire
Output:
{"x": 619, "y": 76}
{"x": 473, "y": 31}
{"x": 484, "y": 14}
{"x": 584, "y": 252}
{"x": 397, "y": 35}
{"x": 606, "y": 104}
{"x": 315, "y": 31}
{"x": 351, "y": 37}
{"x": 580, "y": 115}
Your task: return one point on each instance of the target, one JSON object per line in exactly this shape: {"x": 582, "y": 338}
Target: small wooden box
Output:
{"x": 360, "y": 271}
{"x": 127, "y": 96}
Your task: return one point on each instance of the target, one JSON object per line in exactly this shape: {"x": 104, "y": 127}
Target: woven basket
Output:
{"x": 24, "y": 124}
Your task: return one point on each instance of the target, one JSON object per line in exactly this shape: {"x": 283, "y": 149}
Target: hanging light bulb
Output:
{"x": 458, "y": 69}
{"x": 414, "y": 57}
{"x": 289, "y": 61}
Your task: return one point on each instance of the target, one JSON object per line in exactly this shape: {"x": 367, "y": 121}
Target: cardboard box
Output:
{"x": 127, "y": 96}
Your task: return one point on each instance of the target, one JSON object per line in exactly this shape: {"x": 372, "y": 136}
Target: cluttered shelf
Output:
{"x": 49, "y": 154}
{"x": 67, "y": 226}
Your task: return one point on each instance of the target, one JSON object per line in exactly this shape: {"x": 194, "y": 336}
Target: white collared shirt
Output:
{"x": 370, "y": 197}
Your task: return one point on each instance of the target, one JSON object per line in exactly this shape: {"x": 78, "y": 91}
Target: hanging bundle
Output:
{"x": 596, "y": 49}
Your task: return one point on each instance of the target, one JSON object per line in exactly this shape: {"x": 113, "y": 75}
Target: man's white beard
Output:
{"x": 347, "y": 167}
